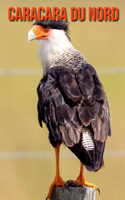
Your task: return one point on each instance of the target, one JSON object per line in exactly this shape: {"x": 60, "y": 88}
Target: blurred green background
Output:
{"x": 103, "y": 45}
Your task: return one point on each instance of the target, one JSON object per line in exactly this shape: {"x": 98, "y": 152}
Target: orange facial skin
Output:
{"x": 41, "y": 32}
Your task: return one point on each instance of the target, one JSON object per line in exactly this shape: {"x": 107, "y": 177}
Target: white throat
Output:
{"x": 52, "y": 46}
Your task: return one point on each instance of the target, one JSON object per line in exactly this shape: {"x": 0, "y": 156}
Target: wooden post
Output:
{"x": 75, "y": 193}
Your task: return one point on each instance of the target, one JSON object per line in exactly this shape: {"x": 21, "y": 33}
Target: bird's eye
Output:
{"x": 45, "y": 29}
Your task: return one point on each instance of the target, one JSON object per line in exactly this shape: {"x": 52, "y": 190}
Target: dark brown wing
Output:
{"x": 70, "y": 99}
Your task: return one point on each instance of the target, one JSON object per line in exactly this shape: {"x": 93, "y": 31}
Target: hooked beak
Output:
{"x": 31, "y": 35}
{"x": 38, "y": 32}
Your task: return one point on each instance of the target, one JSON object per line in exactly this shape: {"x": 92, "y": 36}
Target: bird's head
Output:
{"x": 53, "y": 39}
{"x": 44, "y": 29}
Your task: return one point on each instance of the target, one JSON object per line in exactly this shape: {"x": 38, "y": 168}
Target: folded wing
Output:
{"x": 71, "y": 99}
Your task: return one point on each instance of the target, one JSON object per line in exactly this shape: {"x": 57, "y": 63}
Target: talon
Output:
{"x": 72, "y": 183}
{"x": 76, "y": 184}
{"x": 67, "y": 181}
{"x": 67, "y": 186}
{"x": 98, "y": 190}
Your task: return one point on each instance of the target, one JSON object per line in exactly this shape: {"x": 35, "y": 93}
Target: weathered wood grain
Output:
{"x": 75, "y": 193}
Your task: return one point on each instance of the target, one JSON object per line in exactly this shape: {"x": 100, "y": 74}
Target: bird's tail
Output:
{"x": 89, "y": 151}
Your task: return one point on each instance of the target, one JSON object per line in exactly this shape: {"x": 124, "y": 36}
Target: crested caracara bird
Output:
{"x": 71, "y": 100}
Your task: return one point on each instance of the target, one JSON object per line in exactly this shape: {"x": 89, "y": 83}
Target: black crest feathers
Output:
{"x": 60, "y": 25}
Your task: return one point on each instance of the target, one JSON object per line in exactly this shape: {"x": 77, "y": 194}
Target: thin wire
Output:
{"x": 50, "y": 154}
{"x": 38, "y": 71}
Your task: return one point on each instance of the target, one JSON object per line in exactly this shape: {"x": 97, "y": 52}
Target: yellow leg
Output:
{"x": 58, "y": 181}
{"x": 81, "y": 179}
